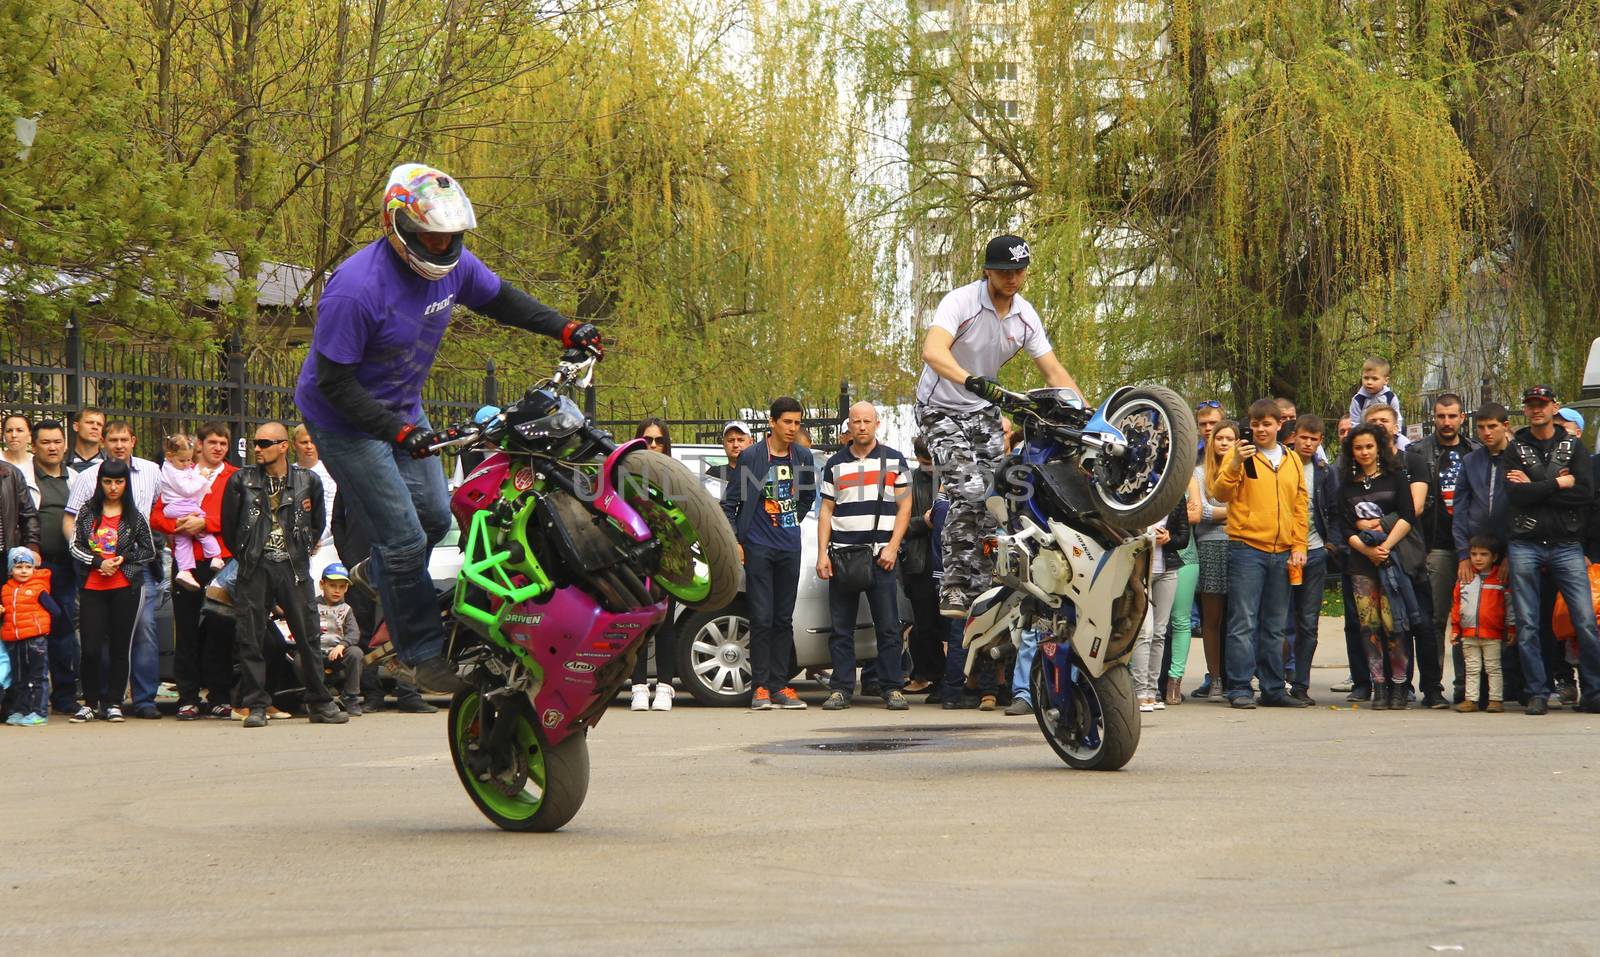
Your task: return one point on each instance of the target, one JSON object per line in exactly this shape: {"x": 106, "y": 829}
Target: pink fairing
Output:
{"x": 572, "y": 638}
{"x": 481, "y": 489}
{"x": 609, "y": 502}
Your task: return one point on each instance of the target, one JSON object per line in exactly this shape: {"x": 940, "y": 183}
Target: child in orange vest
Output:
{"x": 26, "y": 609}
{"x": 1481, "y": 620}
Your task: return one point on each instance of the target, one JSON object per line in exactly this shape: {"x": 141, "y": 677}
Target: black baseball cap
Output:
{"x": 1006, "y": 252}
{"x": 1538, "y": 393}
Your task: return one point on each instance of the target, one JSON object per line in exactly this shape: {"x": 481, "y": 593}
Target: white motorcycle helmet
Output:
{"x": 423, "y": 199}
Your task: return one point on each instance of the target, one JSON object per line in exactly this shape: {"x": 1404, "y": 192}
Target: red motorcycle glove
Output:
{"x": 581, "y": 335}
{"x": 414, "y": 441}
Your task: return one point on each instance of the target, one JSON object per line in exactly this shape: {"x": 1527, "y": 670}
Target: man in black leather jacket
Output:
{"x": 272, "y": 518}
{"x": 19, "y": 521}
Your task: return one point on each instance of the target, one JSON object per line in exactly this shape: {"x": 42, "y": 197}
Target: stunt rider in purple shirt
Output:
{"x": 379, "y": 325}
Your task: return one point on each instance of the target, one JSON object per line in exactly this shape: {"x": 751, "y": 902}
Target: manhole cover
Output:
{"x": 867, "y": 746}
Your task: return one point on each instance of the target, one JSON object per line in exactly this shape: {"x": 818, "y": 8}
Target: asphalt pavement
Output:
{"x": 1328, "y": 831}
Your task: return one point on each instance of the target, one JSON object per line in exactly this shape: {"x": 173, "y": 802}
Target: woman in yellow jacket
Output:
{"x": 1264, "y": 486}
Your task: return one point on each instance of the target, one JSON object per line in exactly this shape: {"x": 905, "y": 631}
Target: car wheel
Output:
{"x": 714, "y": 656}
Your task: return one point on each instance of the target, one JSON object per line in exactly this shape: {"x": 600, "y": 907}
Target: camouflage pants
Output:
{"x": 966, "y": 449}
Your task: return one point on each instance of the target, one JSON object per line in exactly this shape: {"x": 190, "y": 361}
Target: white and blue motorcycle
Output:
{"x": 1072, "y": 556}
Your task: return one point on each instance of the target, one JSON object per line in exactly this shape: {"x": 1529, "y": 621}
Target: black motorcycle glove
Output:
{"x": 985, "y": 388}
{"x": 582, "y": 335}
{"x": 414, "y": 441}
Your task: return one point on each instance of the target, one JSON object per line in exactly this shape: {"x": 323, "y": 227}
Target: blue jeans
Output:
{"x": 144, "y": 659}
{"x": 403, "y": 505}
{"x": 1258, "y": 608}
{"x": 771, "y": 579}
{"x": 955, "y": 664}
{"x": 1022, "y": 671}
{"x": 1565, "y": 562}
{"x": 1306, "y": 602}
{"x": 63, "y": 643}
{"x": 884, "y": 603}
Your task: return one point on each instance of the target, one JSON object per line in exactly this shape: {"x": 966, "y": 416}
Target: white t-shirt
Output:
{"x": 1313, "y": 540}
{"x": 330, "y": 488}
{"x": 983, "y": 343}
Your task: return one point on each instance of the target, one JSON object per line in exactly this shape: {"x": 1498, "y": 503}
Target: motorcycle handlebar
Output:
{"x": 574, "y": 369}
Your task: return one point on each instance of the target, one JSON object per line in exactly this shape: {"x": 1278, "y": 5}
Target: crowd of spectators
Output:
{"x": 94, "y": 534}
{"x": 1478, "y": 542}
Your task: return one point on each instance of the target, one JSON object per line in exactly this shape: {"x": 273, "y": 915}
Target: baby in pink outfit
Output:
{"x": 182, "y": 488}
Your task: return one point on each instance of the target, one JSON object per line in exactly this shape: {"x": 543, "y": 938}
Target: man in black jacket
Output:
{"x": 1435, "y": 465}
{"x": 928, "y": 628}
{"x": 1322, "y": 549}
{"x": 272, "y": 517}
{"x": 767, "y": 497}
{"x": 19, "y": 520}
{"x": 1550, "y": 484}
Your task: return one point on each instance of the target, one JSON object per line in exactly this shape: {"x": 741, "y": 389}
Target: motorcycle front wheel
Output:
{"x": 1099, "y": 730}
{"x": 533, "y": 787}
{"x": 699, "y": 555}
{"x": 1140, "y": 487}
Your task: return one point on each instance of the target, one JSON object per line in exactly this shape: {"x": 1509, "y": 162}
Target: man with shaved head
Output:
{"x": 866, "y": 507}
{"x": 272, "y": 518}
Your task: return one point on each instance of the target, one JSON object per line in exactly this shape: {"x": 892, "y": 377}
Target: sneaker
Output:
{"x": 187, "y": 580}
{"x": 1146, "y": 705}
{"x": 412, "y": 706}
{"x": 836, "y": 702}
{"x": 1554, "y": 702}
{"x": 1434, "y": 702}
{"x": 1158, "y": 704}
{"x": 641, "y": 698}
{"x": 328, "y": 713}
{"x": 82, "y": 715}
{"x": 113, "y": 715}
{"x": 1495, "y": 707}
{"x": 358, "y": 578}
{"x": 1360, "y": 694}
{"x": 188, "y": 712}
{"x": 278, "y": 714}
{"x": 436, "y": 674}
{"x": 788, "y": 700}
{"x": 222, "y": 712}
{"x": 663, "y": 698}
{"x": 987, "y": 703}
{"x": 33, "y": 720}
{"x": 952, "y": 609}
{"x": 1206, "y": 689}
{"x": 1243, "y": 702}
{"x": 1019, "y": 706}
{"x": 239, "y": 714}
{"x": 1282, "y": 701}
{"x": 761, "y": 701}
{"x": 1343, "y": 686}
{"x": 1567, "y": 691}
{"x": 1467, "y": 707}
{"x": 1537, "y": 705}
{"x": 895, "y": 700}
{"x": 352, "y": 706}
{"x": 959, "y": 702}
{"x": 15, "y": 719}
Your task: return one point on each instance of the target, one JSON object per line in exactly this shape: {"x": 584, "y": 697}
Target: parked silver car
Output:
{"x": 713, "y": 646}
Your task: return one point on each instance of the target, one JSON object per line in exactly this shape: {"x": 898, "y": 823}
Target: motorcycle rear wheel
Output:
{"x": 1100, "y": 730}
{"x": 699, "y": 555}
{"x": 545, "y": 785}
{"x": 1140, "y": 487}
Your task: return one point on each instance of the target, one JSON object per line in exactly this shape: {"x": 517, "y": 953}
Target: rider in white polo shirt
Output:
{"x": 976, "y": 330}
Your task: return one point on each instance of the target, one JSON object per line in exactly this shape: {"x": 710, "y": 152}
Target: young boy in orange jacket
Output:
{"x": 26, "y": 611}
{"x": 1481, "y": 619}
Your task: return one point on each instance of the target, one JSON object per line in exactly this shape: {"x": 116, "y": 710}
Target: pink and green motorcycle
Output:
{"x": 572, "y": 547}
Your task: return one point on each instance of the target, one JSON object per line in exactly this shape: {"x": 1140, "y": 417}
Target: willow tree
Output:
{"x": 1249, "y": 196}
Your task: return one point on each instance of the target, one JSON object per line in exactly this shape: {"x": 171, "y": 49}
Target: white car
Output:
{"x": 713, "y": 646}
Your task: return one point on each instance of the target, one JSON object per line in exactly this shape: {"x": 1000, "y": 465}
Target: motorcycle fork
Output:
{"x": 497, "y": 723}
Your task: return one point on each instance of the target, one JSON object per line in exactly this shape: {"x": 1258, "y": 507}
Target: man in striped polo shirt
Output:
{"x": 866, "y": 507}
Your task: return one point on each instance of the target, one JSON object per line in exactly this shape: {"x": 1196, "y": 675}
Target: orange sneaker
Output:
{"x": 789, "y": 701}
{"x": 762, "y": 700}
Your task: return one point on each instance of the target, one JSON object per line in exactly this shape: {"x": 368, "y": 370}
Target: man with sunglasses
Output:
{"x": 272, "y": 517}
{"x": 379, "y": 325}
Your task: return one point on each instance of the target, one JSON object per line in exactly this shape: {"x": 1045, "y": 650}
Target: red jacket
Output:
{"x": 1493, "y": 601}
{"x": 212, "y": 504}
{"x": 25, "y": 614}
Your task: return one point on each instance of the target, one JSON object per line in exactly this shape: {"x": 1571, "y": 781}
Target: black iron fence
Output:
{"x": 161, "y": 391}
